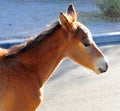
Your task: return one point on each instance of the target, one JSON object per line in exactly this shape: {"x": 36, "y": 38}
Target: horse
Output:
{"x": 26, "y": 67}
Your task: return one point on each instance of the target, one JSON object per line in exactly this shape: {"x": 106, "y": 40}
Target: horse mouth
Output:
{"x": 102, "y": 70}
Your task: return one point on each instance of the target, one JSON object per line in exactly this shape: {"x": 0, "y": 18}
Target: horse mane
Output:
{"x": 19, "y": 48}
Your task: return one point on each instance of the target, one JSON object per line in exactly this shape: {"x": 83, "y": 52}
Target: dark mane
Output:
{"x": 32, "y": 41}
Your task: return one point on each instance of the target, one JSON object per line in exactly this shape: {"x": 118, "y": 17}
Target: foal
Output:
{"x": 25, "y": 68}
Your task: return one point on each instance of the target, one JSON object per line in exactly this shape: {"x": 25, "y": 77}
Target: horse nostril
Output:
{"x": 106, "y": 64}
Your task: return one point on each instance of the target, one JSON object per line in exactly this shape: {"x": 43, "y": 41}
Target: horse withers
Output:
{"x": 25, "y": 68}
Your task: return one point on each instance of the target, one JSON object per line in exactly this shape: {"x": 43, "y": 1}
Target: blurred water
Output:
{"x": 23, "y": 18}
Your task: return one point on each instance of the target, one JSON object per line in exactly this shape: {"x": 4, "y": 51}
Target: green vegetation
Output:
{"x": 110, "y": 8}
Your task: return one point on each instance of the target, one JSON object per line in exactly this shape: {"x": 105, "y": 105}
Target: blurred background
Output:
{"x": 24, "y": 18}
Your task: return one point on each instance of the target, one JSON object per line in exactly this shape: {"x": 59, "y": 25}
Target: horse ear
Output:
{"x": 72, "y": 12}
{"x": 63, "y": 20}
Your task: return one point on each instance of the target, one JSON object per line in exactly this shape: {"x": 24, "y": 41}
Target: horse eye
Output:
{"x": 86, "y": 42}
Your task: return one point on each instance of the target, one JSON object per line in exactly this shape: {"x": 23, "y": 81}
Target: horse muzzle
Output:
{"x": 101, "y": 65}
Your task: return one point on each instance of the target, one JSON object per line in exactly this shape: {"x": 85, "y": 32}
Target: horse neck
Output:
{"x": 43, "y": 58}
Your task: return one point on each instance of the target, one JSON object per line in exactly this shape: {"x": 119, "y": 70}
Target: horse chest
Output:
{"x": 20, "y": 94}
{"x": 20, "y": 99}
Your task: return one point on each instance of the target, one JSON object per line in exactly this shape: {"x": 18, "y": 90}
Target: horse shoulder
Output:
{"x": 19, "y": 85}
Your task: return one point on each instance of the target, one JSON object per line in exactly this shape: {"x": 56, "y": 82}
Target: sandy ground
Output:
{"x": 74, "y": 88}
